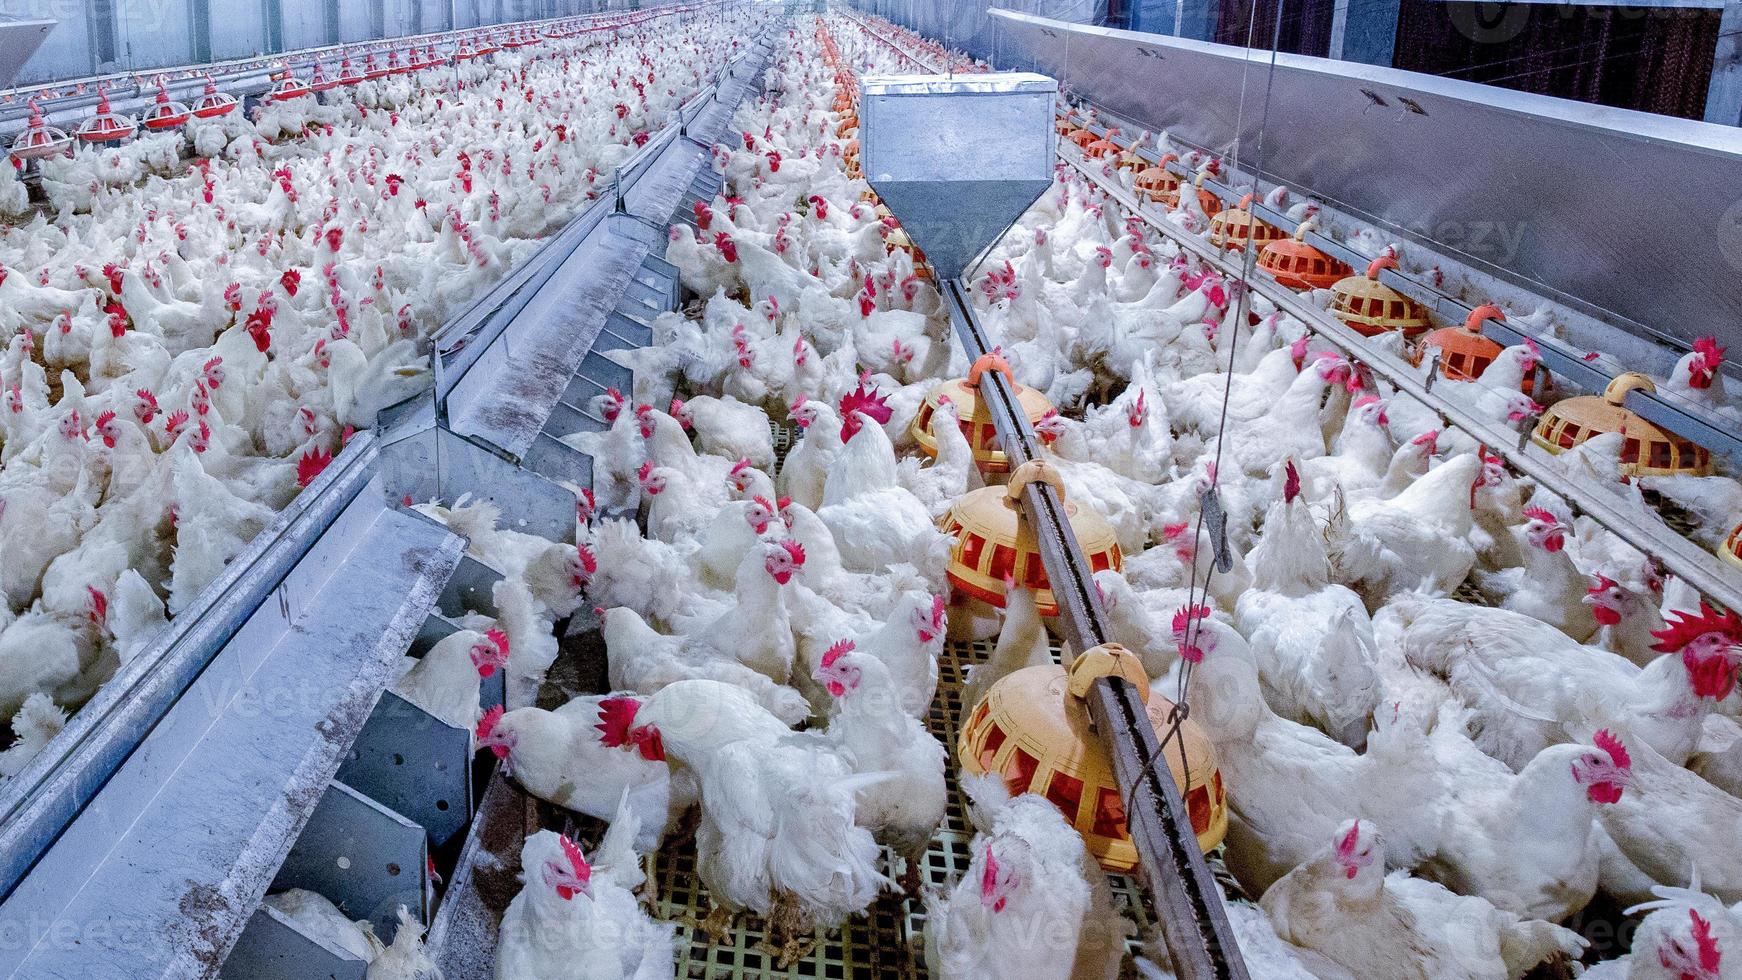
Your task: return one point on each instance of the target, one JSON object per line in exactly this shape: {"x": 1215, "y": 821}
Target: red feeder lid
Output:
{"x": 40, "y": 140}
{"x": 393, "y": 65}
{"x": 320, "y": 82}
{"x": 214, "y": 103}
{"x": 165, "y": 114}
{"x": 106, "y": 126}
{"x": 287, "y": 88}
{"x": 348, "y": 73}
{"x": 372, "y": 69}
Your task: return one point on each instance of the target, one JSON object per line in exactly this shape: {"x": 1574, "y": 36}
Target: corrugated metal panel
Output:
{"x": 238, "y": 27}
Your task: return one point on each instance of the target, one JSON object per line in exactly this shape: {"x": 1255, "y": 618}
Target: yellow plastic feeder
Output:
{"x": 1032, "y": 729}
{"x": 994, "y": 541}
{"x": 974, "y": 414}
{"x": 1646, "y": 449}
{"x": 1373, "y": 308}
{"x": 1234, "y": 228}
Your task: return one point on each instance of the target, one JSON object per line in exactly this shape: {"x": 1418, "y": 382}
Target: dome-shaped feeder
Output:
{"x": 1373, "y": 308}
{"x": 465, "y": 51}
{"x": 165, "y": 114}
{"x": 213, "y": 103}
{"x": 373, "y": 70}
{"x": 1297, "y": 265}
{"x": 1646, "y": 450}
{"x": 319, "y": 82}
{"x": 39, "y": 139}
{"x": 1103, "y": 146}
{"x": 1731, "y": 549}
{"x": 1233, "y": 228}
{"x": 974, "y": 415}
{"x": 994, "y": 541}
{"x": 1032, "y": 729}
{"x": 1159, "y": 184}
{"x": 107, "y": 126}
{"x": 1464, "y": 352}
{"x": 288, "y": 87}
{"x": 349, "y": 74}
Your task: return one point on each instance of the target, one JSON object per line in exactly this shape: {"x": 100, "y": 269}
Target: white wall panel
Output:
{"x": 398, "y": 21}
{"x": 305, "y": 24}
{"x": 153, "y": 33}
{"x": 354, "y": 20}
{"x": 238, "y": 28}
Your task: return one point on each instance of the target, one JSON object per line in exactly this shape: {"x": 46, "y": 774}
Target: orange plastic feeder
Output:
{"x": 1731, "y": 549}
{"x": 1464, "y": 352}
{"x": 1297, "y": 265}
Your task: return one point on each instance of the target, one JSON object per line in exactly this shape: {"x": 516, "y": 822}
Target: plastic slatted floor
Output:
{"x": 885, "y": 943}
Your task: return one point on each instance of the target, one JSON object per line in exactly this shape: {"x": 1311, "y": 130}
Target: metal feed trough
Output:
{"x": 957, "y": 159}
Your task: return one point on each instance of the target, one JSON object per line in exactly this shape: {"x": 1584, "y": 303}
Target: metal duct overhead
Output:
{"x": 1632, "y": 216}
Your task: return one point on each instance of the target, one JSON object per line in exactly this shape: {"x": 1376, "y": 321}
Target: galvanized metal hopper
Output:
{"x": 19, "y": 39}
{"x": 957, "y": 158}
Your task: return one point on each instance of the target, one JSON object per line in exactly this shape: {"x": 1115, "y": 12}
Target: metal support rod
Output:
{"x": 1188, "y": 901}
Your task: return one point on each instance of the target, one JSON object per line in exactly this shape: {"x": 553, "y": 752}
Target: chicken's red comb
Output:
{"x": 487, "y": 723}
{"x": 794, "y": 549}
{"x": 1429, "y": 437}
{"x": 147, "y": 397}
{"x": 834, "y": 652}
{"x": 764, "y": 502}
{"x": 1290, "y": 482}
{"x": 868, "y": 401}
{"x": 1708, "y": 348}
{"x": 499, "y": 638}
{"x": 310, "y": 465}
{"x": 1607, "y": 741}
{"x": 646, "y": 468}
{"x": 1346, "y": 845}
{"x": 588, "y": 561}
{"x": 1683, "y": 628}
{"x": 1541, "y": 514}
{"x": 105, "y": 419}
{"x": 1366, "y": 400}
{"x": 572, "y": 851}
{"x": 1604, "y": 582}
{"x": 1710, "y": 956}
{"x": 989, "y": 877}
{"x": 1182, "y": 620}
{"x": 784, "y": 502}
{"x": 741, "y": 465}
{"x": 937, "y": 612}
{"x": 616, "y": 718}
